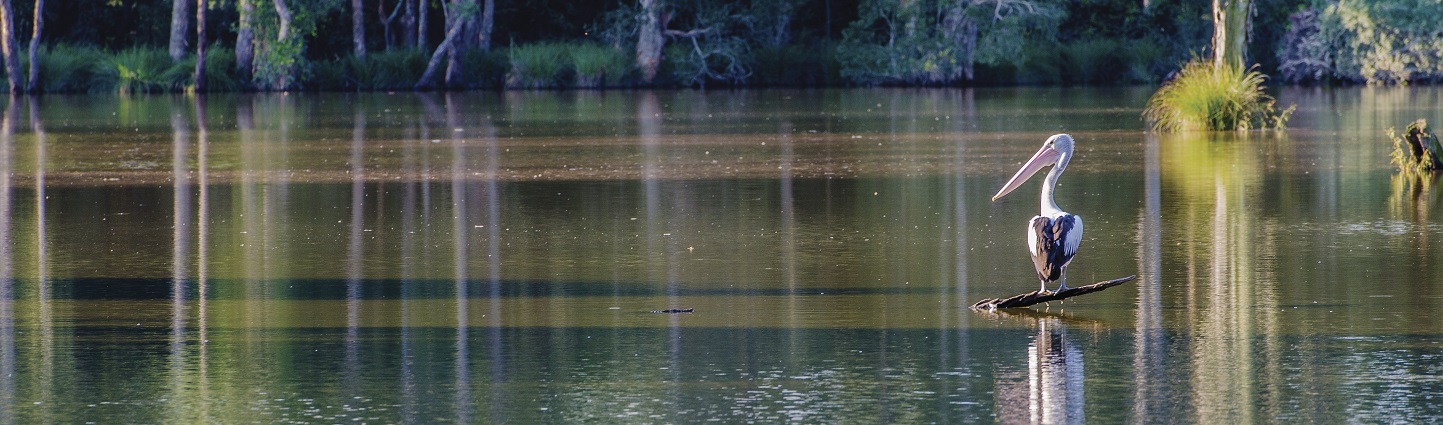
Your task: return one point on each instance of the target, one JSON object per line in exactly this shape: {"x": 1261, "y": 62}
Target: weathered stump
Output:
{"x": 1037, "y": 297}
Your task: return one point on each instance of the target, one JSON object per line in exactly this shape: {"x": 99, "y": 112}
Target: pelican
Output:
{"x": 1053, "y": 235}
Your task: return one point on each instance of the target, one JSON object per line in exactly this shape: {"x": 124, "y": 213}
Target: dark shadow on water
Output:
{"x": 388, "y": 289}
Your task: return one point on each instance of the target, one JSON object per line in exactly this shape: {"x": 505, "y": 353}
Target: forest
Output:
{"x": 153, "y": 45}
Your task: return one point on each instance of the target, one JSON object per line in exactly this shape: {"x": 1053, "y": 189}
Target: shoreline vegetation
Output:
{"x": 150, "y": 46}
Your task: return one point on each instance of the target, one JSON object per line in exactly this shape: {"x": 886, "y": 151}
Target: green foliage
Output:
{"x": 1093, "y": 61}
{"x": 711, "y": 46}
{"x": 1373, "y": 42}
{"x": 619, "y": 27}
{"x": 1101, "y": 61}
{"x": 795, "y": 64}
{"x": 220, "y": 69}
{"x": 773, "y": 42}
{"x": 548, "y": 64}
{"x": 282, "y": 64}
{"x": 279, "y": 65}
{"x": 385, "y": 70}
{"x": 1148, "y": 60}
{"x": 1097, "y": 61}
{"x": 137, "y": 70}
{"x": 69, "y": 69}
{"x": 486, "y": 68}
{"x": 537, "y": 65}
{"x": 597, "y": 65}
{"x": 1204, "y": 97}
{"x": 938, "y": 42}
{"x": 1416, "y": 151}
{"x": 696, "y": 61}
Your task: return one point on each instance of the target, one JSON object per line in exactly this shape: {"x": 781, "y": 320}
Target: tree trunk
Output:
{"x": 7, "y": 46}
{"x": 200, "y": 44}
{"x": 441, "y": 50}
{"x": 650, "y": 42}
{"x": 245, "y": 39}
{"x": 387, "y": 20}
{"x": 828, "y": 5}
{"x": 453, "y": 51}
{"x": 483, "y": 31}
{"x": 358, "y": 28}
{"x": 961, "y": 31}
{"x": 1232, "y": 23}
{"x": 284, "y": 12}
{"x": 453, "y": 59}
{"x": 421, "y": 23}
{"x": 408, "y": 25}
{"x": 34, "y": 82}
{"x": 179, "y": 28}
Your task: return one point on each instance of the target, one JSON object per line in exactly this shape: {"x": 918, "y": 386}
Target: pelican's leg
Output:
{"x": 1043, "y": 289}
{"x": 1062, "y": 286}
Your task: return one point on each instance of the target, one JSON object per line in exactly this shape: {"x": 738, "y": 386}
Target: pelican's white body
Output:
{"x": 1054, "y": 235}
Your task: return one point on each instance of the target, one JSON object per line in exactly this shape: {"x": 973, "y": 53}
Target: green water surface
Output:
{"x": 496, "y": 258}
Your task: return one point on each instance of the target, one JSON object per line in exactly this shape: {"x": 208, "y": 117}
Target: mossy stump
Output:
{"x": 1417, "y": 150}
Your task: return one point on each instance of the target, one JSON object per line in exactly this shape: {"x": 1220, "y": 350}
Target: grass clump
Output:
{"x": 795, "y": 65}
{"x": 598, "y": 65}
{"x": 68, "y": 69}
{"x": 536, "y": 66}
{"x": 136, "y": 70}
{"x": 1417, "y": 150}
{"x": 1205, "y": 97}
{"x": 384, "y": 70}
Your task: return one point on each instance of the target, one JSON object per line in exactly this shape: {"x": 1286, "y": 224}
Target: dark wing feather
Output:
{"x": 1050, "y": 255}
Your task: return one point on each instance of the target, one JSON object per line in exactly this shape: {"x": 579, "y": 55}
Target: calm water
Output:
{"x": 496, "y": 257}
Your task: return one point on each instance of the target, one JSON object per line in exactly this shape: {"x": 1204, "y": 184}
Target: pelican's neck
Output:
{"x": 1049, "y": 205}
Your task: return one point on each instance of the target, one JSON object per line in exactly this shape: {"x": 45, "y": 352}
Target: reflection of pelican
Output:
{"x": 1054, "y": 235}
{"x": 1051, "y": 390}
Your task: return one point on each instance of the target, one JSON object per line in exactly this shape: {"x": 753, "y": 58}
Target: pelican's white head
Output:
{"x": 1056, "y": 151}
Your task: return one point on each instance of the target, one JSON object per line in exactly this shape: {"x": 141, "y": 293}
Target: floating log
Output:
{"x": 674, "y": 311}
{"x": 1036, "y": 297}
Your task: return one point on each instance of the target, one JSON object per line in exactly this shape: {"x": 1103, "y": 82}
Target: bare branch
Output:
{"x": 688, "y": 34}
{"x": 1037, "y": 297}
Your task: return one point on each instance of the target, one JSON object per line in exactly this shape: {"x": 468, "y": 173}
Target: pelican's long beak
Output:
{"x": 1044, "y": 157}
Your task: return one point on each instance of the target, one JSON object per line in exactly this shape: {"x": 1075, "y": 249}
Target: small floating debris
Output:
{"x": 674, "y": 311}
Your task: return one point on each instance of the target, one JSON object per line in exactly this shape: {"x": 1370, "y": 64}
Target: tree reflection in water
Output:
{"x": 7, "y": 266}
{"x": 1051, "y": 390}
{"x": 364, "y": 258}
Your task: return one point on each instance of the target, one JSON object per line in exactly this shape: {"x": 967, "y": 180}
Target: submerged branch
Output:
{"x": 1036, "y": 297}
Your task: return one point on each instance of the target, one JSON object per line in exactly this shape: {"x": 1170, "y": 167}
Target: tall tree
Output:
{"x": 386, "y": 20}
{"x": 650, "y": 40}
{"x": 464, "y": 13}
{"x": 960, "y": 29}
{"x": 7, "y": 46}
{"x": 245, "y": 38}
{"x": 455, "y": 22}
{"x": 1232, "y": 23}
{"x": 408, "y": 25}
{"x": 284, "y": 13}
{"x": 483, "y": 28}
{"x": 358, "y": 28}
{"x": 421, "y": 24}
{"x": 179, "y": 28}
{"x": 34, "y": 82}
{"x": 200, "y": 44}
{"x": 917, "y": 42}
